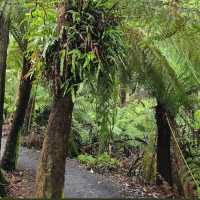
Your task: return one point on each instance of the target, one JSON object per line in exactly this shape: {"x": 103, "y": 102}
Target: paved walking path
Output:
{"x": 79, "y": 183}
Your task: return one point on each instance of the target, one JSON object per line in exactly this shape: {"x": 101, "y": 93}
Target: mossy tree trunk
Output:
{"x": 4, "y": 40}
{"x": 9, "y": 158}
{"x": 51, "y": 170}
{"x": 163, "y": 145}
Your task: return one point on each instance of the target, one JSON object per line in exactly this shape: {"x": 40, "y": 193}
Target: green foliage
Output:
{"x": 104, "y": 160}
{"x": 189, "y": 141}
{"x": 14, "y": 65}
{"x": 73, "y": 150}
{"x": 87, "y": 160}
{"x": 162, "y": 54}
{"x": 84, "y": 116}
{"x": 88, "y": 44}
{"x": 41, "y": 25}
{"x": 196, "y": 119}
{"x": 198, "y": 190}
{"x": 42, "y": 96}
{"x": 101, "y": 161}
{"x": 13, "y": 70}
{"x": 136, "y": 119}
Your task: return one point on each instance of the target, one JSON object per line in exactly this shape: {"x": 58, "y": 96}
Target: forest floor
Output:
{"x": 79, "y": 182}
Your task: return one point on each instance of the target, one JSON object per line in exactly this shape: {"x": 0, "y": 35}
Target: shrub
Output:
{"x": 105, "y": 161}
{"x": 88, "y": 160}
{"x": 102, "y": 161}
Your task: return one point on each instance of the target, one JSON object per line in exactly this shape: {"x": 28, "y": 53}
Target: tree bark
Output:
{"x": 9, "y": 158}
{"x": 163, "y": 146}
{"x": 4, "y": 40}
{"x": 51, "y": 170}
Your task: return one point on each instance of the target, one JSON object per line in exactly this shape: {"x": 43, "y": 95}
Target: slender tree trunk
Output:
{"x": 122, "y": 97}
{"x": 51, "y": 170}
{"x": 163, "y": 146}
{"x": 28, "y": 119}
{"x": 4, "y": 40}
{"x": 9, "y": 159}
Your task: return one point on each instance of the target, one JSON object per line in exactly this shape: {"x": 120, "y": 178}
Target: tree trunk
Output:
{"x": 28, "y": 119}
{"x": 4, "y": 40}
{"x": 51, "y": 170}
{"x": 122, "y": 97}
{"x": 9, "y": 159}
{"x": 163, "y": 146}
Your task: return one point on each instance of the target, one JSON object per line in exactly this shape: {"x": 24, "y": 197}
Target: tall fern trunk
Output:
{"x": 9, "y": 158}
{"x": 163, "y": 145}
{"x": 4, "y": 40}
{"x": 51, "y": 170}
